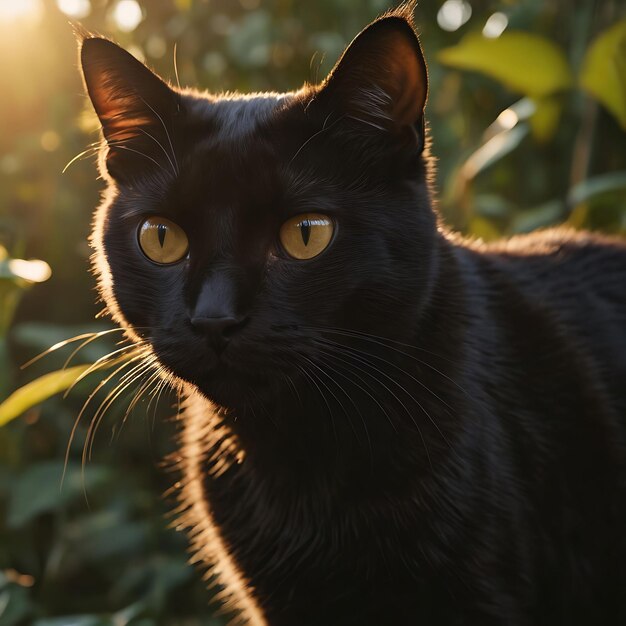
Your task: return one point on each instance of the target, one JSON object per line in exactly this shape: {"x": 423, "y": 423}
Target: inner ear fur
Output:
{"x": 134, "y": 105}
{"x": 381, "y": 79}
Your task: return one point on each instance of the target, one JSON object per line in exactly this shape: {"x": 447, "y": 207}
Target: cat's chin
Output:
{"x": 227, "y": 387}
{"x": 228, "y": 392}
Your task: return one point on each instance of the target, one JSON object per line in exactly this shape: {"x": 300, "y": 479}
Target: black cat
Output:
{"x": 383, "y": 424}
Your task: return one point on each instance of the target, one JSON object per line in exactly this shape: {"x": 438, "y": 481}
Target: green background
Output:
{"x": 528, "y": 132}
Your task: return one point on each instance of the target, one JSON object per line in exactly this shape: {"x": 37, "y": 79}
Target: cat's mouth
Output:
{"x": 228, "y": 374}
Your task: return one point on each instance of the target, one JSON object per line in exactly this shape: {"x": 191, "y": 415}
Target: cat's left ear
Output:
{"x": 134, "y": 105}
{"x": 381, "y": 78}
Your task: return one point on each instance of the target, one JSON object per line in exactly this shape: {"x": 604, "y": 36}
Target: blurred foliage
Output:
{"x": 527, "y": 110}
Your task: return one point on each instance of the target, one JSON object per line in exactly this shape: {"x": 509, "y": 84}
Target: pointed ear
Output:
{"x": 134, "y": 105}
{"x": 381, "y": 78}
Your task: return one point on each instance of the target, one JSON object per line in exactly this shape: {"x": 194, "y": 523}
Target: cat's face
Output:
{"x": 237, "y": 230}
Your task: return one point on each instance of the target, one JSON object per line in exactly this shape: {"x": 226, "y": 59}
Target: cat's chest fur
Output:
{"x": 310, "y": 553}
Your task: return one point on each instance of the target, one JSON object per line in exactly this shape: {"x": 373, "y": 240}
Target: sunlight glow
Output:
{"x": 75, "y": 8}
{"x": 20, "y": 10}
{"x": 50, "y": 140}
{"x": 33, "y": 271}
{"x": 495, "y": 25}
{"x": 507, "y": 119}
{"x": 127, "y": 15}
{"x": 453, "y": 14}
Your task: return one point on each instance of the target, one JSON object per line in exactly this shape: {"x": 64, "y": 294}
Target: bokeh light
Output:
{"x": 507, "y": 119}
{"x": 50, "y": 140}
{"x": 156, "y": 47}
{"x": 34, "y": 271}
{"x": 20, "y": 10}
{"x": 453, "y": 14}
{"x": 77, "y": 9}
{"x": 495, "y": 25}
{"x": 127, "y": 15}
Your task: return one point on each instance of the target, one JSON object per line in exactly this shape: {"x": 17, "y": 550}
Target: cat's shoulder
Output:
{"x": 561, "y": 247}
{"x": 560, "y": 242}
{"x": 556, "y": 260}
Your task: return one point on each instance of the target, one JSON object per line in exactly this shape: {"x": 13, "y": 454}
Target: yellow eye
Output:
{"x": 162, "y": 241}
{"x": 305, "y": 236}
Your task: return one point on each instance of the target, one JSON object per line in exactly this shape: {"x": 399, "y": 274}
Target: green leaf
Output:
{"x": 39, "y": 390}
{"x": 47, "y": 486}
{"x": 483, "y": 229}
{"x": 16, "y": 605}
{"x": 39, "y": 336}
{"x": 249, "y": 43}
{"x": 605, "y": 183}
{"x": 76, "y": 620}
{"x": 545, "y": 121}
{"x": 603, "y": 72}
{"x": 108, "y": 536}
{"x": 539, "y": 217}
{"x": 493, "y": 150}
{"x": 523, "y": 62}
{"x": 492, "y": 206}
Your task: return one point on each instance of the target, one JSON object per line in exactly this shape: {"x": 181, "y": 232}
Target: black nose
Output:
{"x": 218, "y": 329}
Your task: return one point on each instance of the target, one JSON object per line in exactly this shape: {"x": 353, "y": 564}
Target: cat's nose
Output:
{"x": 218, "y": 329}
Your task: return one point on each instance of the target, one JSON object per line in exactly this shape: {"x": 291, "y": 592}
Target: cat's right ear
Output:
{"x": 381, "y": 81}
{"x": 135, "y": 108}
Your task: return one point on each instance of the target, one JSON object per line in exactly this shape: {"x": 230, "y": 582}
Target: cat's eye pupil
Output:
{"x": 306, "y": 235}
{"x": 161, "y": 230}
{"x": 305, "y": 230}
{"x": 162, "y": 240}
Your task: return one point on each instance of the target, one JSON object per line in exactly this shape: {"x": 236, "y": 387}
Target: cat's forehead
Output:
{"x": 234, "y": 147}
{"x": 235, "y": 116}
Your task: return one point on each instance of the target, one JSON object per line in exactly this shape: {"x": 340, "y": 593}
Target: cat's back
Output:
{"x": 577, "y": 280}
{"x": 562, "y": 266}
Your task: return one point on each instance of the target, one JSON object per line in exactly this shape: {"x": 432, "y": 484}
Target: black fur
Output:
{"x": 408, "y": 429}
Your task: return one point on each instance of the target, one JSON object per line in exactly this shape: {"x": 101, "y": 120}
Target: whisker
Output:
{"x": 65, "y": 342}
{"x": 162, "y": 384}
{"x": 167, "y": 134}
{"x": 295, "y": 389}
{"x": 121, "y": 147}
{"x": 390, "y": 364}
{"x": 343, "y": 408}
{"x": 264, "y": 408}
{"x": 367, "y": 435}
{"x": 176, "y": 64}
{"x": 135, "y": 373}
{"x": 368, "y": 393}
{"x": 311, "y": 376}
{"x": 83, "y": 409}
{"x": 317, "y": 134}
{"x": 162, "y": 148}
{"x": 136, "y": 398}
{"x": 79, "y": 348}
{"x": 108, "y": 361}
{"x": 104, "y": 406}
{"x": 364, "y": 361}
{"x": 89, "y": 150}
{"x": 159, "y": 387}
{"x": 153, "y": 378}
{"x": 372, "y": 339}
{"x": 391, "y": 392}
{"x": 386, "y": 340}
